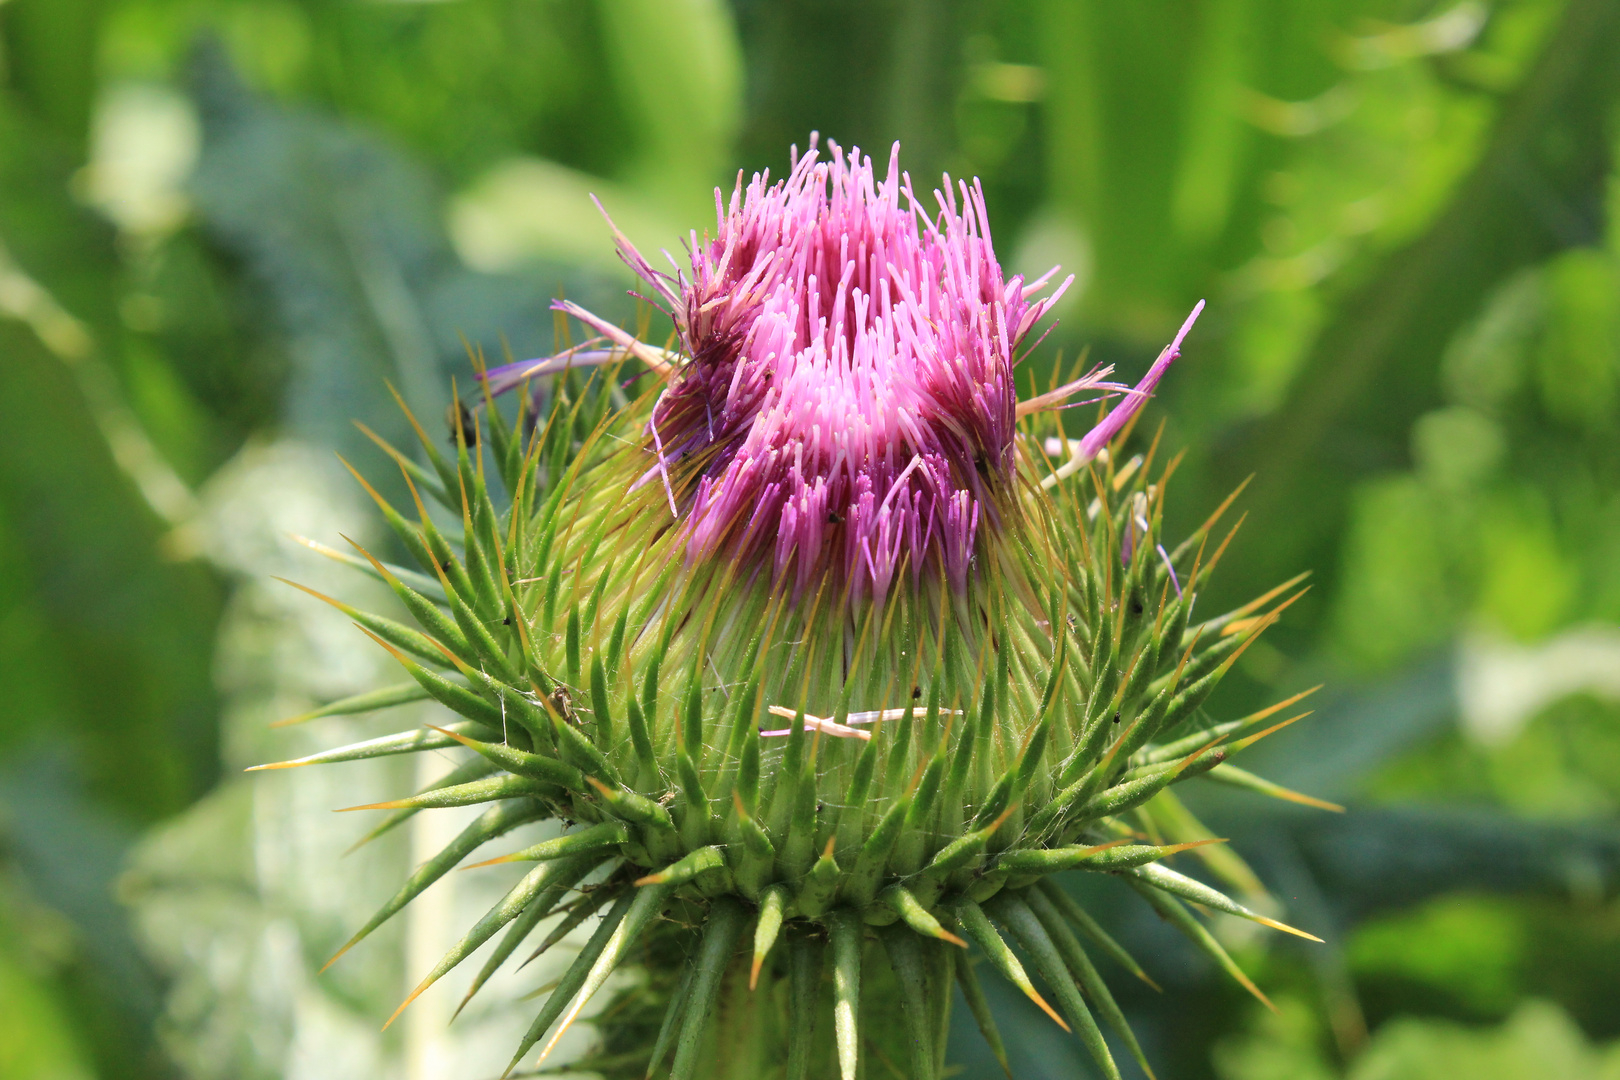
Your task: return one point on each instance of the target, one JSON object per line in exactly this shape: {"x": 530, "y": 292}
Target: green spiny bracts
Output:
{"x": 833, "y": 649}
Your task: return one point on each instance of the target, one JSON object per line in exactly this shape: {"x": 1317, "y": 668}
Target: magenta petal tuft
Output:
{"x": 850, "y": 387}
{"x": 846, "y": 404}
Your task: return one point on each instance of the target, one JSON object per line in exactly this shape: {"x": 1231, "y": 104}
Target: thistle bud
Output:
{"x": 825, "y": 640}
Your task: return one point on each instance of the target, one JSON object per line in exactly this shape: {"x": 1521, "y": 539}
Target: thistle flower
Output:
{"x": 826, "y": 637}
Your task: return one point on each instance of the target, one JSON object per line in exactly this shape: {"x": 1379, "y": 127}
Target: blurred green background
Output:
{"x": 225, "y": 223}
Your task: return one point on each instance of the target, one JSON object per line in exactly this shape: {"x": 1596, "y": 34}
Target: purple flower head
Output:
{"x": 843, "y": 406}
{"x": 848, "y": 405}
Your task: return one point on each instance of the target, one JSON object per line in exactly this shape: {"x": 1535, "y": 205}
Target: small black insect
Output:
{"x": 833, "y": 518}
{"x": 1116, "y": 717}
{"x": 1136, "y": 607}
{"x": 563, "y": 702}
{"x": 507, "y": 621}
{"x": 460, "y": 418}
{"x": 916, "y": 692}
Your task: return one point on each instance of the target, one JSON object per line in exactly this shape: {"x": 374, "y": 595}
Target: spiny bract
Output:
{"x": 825, "y": 637}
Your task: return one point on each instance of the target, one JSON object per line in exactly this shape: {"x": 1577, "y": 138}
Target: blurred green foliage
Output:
{"x": 227, "y": 222}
